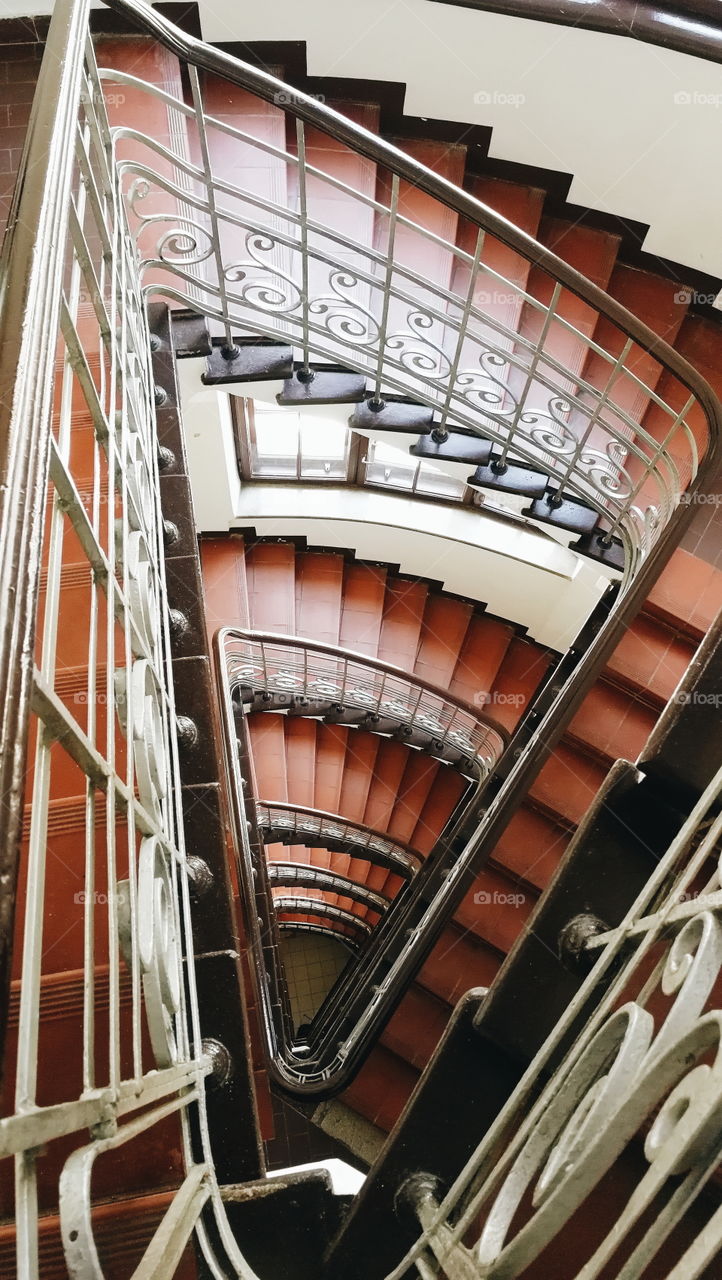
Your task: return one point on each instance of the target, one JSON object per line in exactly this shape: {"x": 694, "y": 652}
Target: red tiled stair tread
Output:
{"x": 482, "y": 653}
{"x": 382, "y": 1088}
{"x": 650, "y": 656}
{"x": 319, "y": 591}
{"x": 300, "y": 749}
{"x": 688, "y": 591}
{"x": 224, "y": 583}
{"x": 364, "y": 588}
{"x": 415, "y": 1029}
{"x": 568, "y": 783}
{"x": 444, "y": 628}
{"x": 613, "y": 722}
{"x": 440, "y": 803}
{"x": 415, "y": 787}
{"x": 458, "y": 961}
{"x": 522, "y": 672}
{"x": 331, "y": 749}
{"x": 268, "y": 748}
{"x": 391, "y": 764}
{"x": 495, "y": 908}
{"x": 271, "y": 577}
{"x": 532, "y": 846}
{"x": 403, "y": 614}
{"x": 358, "y": 772}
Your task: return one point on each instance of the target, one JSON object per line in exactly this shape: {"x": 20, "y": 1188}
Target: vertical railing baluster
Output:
{"x": 376, "y": 403}
{"x": 229, "y": 349}
{"x": 500, "y": 463}
{"x": 305, "y": 373}
{"x": 440, "y": 432}
{"x": 591, "y": 423}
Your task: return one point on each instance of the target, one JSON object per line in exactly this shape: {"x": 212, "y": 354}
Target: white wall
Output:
{"x": 521, "y": 574}
{"x": 519, "y": 570}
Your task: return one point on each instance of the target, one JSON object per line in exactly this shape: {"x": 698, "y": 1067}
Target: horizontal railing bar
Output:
{"x": 308, "y": 876}
{"x": 278, "y": 639}
{"x": 324, "y": 815}
{"x": 40, "y": 1125}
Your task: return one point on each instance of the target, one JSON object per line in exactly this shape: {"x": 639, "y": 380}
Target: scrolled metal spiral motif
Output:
{"x": 626, "y": 1075}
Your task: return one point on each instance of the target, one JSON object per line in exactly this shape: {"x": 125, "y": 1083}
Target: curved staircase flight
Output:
{"x": 394, "y": 789}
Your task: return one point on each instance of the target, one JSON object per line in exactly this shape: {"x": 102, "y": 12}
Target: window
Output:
{"x": 290, "y": 444}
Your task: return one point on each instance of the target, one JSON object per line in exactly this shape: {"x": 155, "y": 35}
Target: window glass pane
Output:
{"x": 433, "y": 480}
{"x": 276, "y": 434}
{"x": 328, "y": 440}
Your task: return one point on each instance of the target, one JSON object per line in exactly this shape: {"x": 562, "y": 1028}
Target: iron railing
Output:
{"x": 641, "y": 1083}
{"x": 629, "y": 444}
{"x": 301, "y": 824}
{"x": 88, "y": 710}
{"x": 89, "y": 702}
{"x": 307, "y": 677}
{"x": 270, "y": 265}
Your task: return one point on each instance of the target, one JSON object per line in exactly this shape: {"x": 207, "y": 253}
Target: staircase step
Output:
{"x": 328, "y": 386}
{"x": 255, "y": 361}
{"x": 593, "y": 546}
{"x": 396, "y": 415}
{"x": 190, "y": 334}
{"x": 516, "y": 477}
{"x": 362, "y": 607}
{"x": 456, "y": 448}
{"x": 564, "y": 513}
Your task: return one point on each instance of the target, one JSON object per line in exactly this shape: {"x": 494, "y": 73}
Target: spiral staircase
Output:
{"x": 394, "y": 852}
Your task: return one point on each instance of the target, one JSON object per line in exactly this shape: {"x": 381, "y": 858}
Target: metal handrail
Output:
{"x": 310, "y": 1067}
{"x": 405, "y": 333}
{"x": 282, "y": 639}
{"x": 77, "y": 393}
{"x": 306, "y": 875}
{"x": 615, "y": 1076}
{"x": 277, "y": 667}
{"x": 336, "y": 832}
{"x": 686, "y": 27}
{"x": 32, "y": 258}
{"x": 473, "y": 838}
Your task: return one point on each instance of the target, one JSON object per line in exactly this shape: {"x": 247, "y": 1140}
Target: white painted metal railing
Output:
{"x": 641, "y": 1084}
{"x": 275, "y": 672}
{"x": 104, "y": 883}
{"x": 82, "y": 541}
